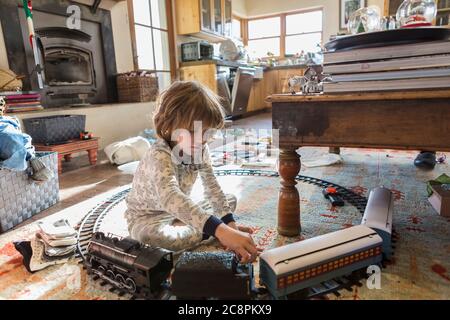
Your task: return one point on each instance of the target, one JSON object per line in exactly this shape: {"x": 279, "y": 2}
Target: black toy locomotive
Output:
{"x": 128, "y": 264}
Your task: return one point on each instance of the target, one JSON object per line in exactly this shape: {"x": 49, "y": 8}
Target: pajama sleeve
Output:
{"x": 174, "y": 201}
{"x": 213, "y": 191}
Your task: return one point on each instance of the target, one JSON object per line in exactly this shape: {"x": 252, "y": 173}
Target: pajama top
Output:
{"x": 162, "y": 185}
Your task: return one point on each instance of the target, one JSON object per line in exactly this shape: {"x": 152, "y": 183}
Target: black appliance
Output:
{"x": 199, "y": 50}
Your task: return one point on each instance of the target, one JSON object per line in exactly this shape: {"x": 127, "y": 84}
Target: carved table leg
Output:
{"x": 288, "y": 198}
{"x": 92, "y": 156}
{"x": 68, "y": 157}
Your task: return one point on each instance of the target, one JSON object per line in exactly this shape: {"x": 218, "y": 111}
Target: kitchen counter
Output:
{"x": 235, "y": 64}
{"x": 217, "y": 62}
{"x": 293, "y": 66}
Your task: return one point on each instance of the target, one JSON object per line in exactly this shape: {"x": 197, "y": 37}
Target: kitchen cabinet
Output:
{"x": 257, "y": 96}
{"x": 203, "y": 73}
{"x": 218, "y": 17}
{"x": 228, "y": 18}
{"x": 274, "y": 81}
{"x": 206, "y": 19}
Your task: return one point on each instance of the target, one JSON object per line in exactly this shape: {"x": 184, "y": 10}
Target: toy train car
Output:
{"x": 142, "y": 270}
{"x": 200, "y": 275}
{"x": 301, "y": 265}
{"x": 128, "y": 264}
{"x": 378, "y": 216}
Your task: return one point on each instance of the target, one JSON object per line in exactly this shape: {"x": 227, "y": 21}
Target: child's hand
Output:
{"x": 241, "y": 228}
{"x": 239, "y": 242}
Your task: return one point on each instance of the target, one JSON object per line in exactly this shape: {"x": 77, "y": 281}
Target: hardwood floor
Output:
{"x": 80, "y": 181}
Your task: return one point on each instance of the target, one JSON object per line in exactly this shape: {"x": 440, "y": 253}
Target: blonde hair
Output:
{"x": 183, "y": 103}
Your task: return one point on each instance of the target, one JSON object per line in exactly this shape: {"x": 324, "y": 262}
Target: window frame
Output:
{"x": 283, "y": 34}
{"x": 170, "y": 34}
{"x": 262, "y": 38}
{"x": 242, "y": 22}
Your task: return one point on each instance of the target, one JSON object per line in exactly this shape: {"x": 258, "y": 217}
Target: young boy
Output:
{"x": 160, "y": 211}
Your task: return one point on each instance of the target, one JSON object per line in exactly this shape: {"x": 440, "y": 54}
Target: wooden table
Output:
{"x": 73, "y": 146}
{"x": 415, "y": 120}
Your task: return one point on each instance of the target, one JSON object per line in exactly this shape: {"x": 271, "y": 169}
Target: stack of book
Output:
{"x": 22, "y": 101}
{"x": 424, "y": 65}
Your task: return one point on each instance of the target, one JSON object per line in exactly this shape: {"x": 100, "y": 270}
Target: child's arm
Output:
{"x": 213, "y": 191}
{"x": 174, "y": 201}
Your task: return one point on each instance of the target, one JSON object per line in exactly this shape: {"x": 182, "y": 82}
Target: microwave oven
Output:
{"x": 199, "y": 50}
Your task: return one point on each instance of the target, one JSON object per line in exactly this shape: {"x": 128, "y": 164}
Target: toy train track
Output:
{"x": 91, "y": 224}
{"x": 351, "y": 197}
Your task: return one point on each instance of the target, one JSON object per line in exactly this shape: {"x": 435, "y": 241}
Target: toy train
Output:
{"x": 128, "y": 264}
{"x": 142, "y": 270}
{"x": 212, "y": 274}
{"x": 378, "y": 216}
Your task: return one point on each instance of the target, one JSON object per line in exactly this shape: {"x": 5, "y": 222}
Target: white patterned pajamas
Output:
{"x": 160, "y": 211}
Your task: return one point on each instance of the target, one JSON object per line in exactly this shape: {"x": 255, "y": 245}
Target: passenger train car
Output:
{"x": 301, "y": 265}
{"x": 378, "y": 216}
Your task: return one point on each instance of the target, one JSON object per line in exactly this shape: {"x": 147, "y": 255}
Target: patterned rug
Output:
{"x": 419, "y": 269}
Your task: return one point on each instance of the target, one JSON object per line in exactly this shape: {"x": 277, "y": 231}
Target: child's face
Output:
{"x": 191, "y": 142}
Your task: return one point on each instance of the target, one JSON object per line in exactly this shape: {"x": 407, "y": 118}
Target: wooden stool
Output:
{"x": 73, "y": 146}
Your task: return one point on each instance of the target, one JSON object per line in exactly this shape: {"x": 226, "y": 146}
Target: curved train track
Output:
{"x": 91, "y": 224}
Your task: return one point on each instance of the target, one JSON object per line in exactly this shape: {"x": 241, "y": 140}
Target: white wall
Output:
{"x": 110, "y": 122}
{"x": 255, "y": 8}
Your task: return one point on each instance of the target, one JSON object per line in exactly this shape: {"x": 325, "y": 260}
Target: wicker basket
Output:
{"x": 137, "y": 86}
{"x": 21, "y": 197}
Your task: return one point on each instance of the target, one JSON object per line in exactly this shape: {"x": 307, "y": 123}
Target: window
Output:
{"x": 152, "y": 38}
{"x": 303, "y": 32}
{"x": 285, "y": 34}
{"x": 264, "y": 37}
{"x": 236, "y": 28}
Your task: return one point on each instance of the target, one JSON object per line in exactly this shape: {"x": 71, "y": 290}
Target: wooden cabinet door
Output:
{"x": 270, "y": 84}
{"x": 205, "y": 74}
{"x": 206, "y": 7}
{"x": 228, "y": 18}
{"x": 218, "y": 25}
{"x": 257, "y": 95}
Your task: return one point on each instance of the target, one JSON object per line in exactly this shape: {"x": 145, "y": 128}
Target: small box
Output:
{"x": 440, "y": 199}
{"x": 55, "y": 129}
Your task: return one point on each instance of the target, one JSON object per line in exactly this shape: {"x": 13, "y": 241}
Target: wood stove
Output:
{"x": 79, "y": 65}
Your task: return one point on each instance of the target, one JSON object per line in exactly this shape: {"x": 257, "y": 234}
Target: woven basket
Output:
{"x": 9, "y": 81}
{"x": 135, "y": 88}
{"x": 21, "y": 197}
{"x": 55, "y": 129}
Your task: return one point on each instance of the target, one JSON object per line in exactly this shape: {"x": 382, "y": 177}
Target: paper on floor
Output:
{"x": 325, "y": 160}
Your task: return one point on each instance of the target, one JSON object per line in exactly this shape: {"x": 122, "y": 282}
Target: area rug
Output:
{"x": 419, "y": 269}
